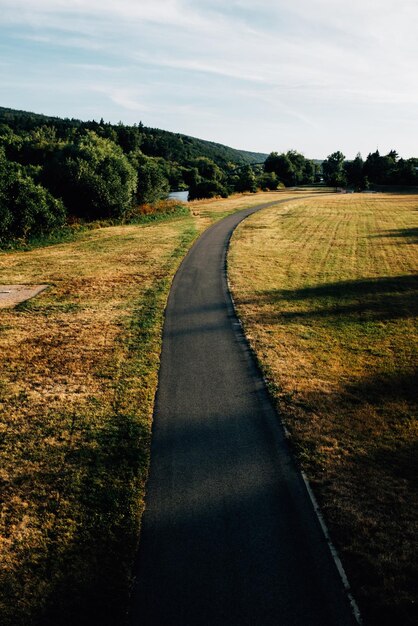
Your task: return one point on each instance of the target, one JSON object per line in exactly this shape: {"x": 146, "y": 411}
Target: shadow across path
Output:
{"x": 229, "y": 534}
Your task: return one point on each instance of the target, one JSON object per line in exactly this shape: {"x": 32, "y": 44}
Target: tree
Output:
{"x": 128, "y": 137}
{"x": 268, "y": 181}
{"x": 152, "y": 183}
{"x": 299, "y": 166}
{"x": 381, "y": 170}
{"x": 209, "y": 182}
{"x": 354, "y": 171}
{"x": 191, "y": 176}
{"x": 333, "y": 170}
{"x": 26, "y": 208}
{"x": 282, "y": 166}
{"x": 291, "y": 168}
{"x": 207, "y": 189}
{"x": 407, "y": 172}
{"x": 246, "y": 180}
{"x": 208, "y": 169}
{"x": 94, "y": 178}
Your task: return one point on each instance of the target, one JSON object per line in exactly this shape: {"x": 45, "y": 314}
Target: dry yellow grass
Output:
{"x": 206, "y": 211}
{"x": 78, "y": 375}
{"x": 73, "y": 401}
{"x": 327, "y": 289}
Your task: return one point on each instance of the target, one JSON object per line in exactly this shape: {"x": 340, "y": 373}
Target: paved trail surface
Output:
{"x": 229, "y": 535}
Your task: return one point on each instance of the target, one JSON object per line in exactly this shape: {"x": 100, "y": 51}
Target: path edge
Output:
{"x": 317, "y": 509}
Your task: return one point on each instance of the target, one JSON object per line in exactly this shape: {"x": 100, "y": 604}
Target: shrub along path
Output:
{"x": 229, "y": 533}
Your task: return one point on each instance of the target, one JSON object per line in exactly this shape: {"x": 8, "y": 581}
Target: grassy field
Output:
{"x": 78, "y": 375}
{"x": 328, "y": 293}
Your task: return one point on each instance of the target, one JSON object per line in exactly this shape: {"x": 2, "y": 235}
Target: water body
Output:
{"x": 179, "y": 195}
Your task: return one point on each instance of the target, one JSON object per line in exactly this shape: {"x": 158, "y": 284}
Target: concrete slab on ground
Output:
{"x": 11, "y": 295}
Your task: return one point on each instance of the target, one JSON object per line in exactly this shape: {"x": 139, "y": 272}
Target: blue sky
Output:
{"x": 310, "y": 75}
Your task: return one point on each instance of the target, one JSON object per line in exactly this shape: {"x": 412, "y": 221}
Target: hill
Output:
{"x": 153, "y": 141}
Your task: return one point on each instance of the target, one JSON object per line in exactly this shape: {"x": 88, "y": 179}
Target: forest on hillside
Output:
{"x": 54, "y": 171}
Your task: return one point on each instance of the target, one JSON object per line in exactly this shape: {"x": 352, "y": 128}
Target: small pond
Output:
{"x": 179, "y": 195}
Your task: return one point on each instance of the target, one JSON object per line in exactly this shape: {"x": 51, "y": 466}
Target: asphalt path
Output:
{"x": 229, "y": 535}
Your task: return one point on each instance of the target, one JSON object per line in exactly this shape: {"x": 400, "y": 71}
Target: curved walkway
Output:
{"x": 229, "y": 535}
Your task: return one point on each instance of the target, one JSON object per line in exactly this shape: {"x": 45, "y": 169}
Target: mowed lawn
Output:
{"x": 328, "y": 293}
{"x": 78, "y": 374}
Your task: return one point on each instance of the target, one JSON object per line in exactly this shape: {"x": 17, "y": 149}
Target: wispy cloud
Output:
{"x": 95, "y": 67}
{"x": 305, "y": 66}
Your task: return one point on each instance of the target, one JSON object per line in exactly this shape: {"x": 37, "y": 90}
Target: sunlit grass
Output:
{"x": 207, "y": 211}
{"x": 79, "y": 371}
{"x": 78, "y": 374}
{"x": 327, "y": 290}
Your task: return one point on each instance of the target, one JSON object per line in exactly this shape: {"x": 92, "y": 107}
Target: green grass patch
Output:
{"x": 148, "y": 214}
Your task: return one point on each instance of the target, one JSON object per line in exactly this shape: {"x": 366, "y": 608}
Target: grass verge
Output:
{"x": 327, "y": 290}
{"x": 78, "y": 383}
{"x": 78, "y": 375}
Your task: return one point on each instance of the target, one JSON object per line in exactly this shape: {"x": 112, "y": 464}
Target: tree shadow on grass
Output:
{"x": 386, "y": 386}
{"x": 410, "y": 234}
{"x": 94, "y": 589}
{"x": 375, "y": 299}
{"x": 370, "y": 498}
{"x": 88, "y": 492}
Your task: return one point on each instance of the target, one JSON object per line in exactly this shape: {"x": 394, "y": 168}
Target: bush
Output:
{"x": 162, "y": 209}
{"x": 94, "y": 178}
{"x": 207, "y": 189}
{"x": 27, "y": 209}
{"x": 268, "y": 181}
{"x": 152, "y": 183}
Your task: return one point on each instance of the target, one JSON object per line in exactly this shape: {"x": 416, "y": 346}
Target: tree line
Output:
{"x": 376, "y": 171}
{"x": 54, "y": 170}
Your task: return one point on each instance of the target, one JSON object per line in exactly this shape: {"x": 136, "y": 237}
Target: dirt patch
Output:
{"x": 10, "y": 295}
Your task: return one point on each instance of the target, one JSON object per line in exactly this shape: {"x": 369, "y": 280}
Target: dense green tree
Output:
{"x": 191, "y": 176}
{"x": 299, "y": 164}
{"x": 407, "y": 172}
{"x": 208, "y": 169}
{"x": 210, "y": 181}
{"x": 309, "y": 172}
{"x": 282, "y": 166}
{"x": 354, "y": 171}
{"x": 152, "y": 183}
{"x": 381, "y": 170}
{"x": 291, "y": 168}
{"x": 129, "y": 138}
{"x": 268, "y": 181}
{"x": 27, "y": 209}
{"x": 246, "y": 180}
{"x": 94, "y": 178}
{"x": 207, "y": 189}
{"x": 154, "y": 142}
{"x": 174, "y": 173}
{"x": 333, "y": 170}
